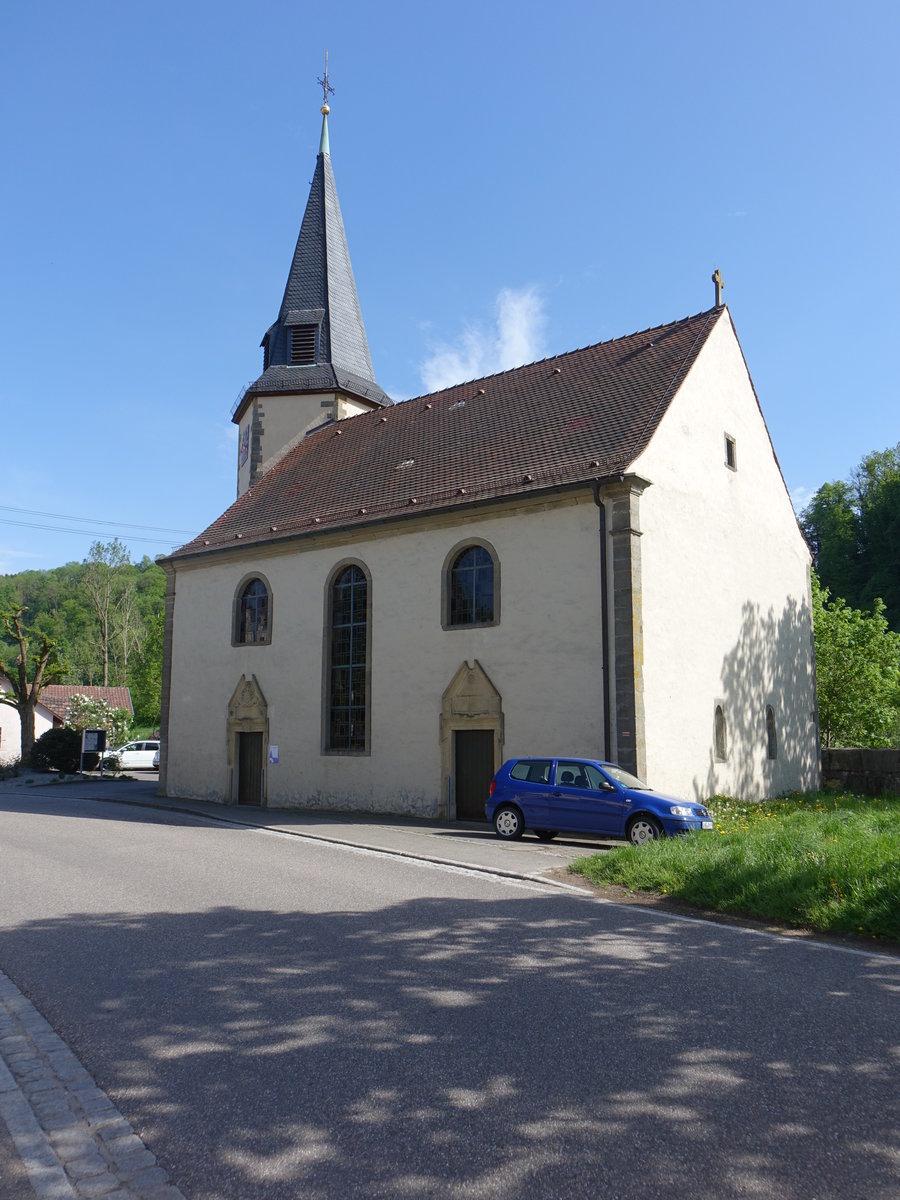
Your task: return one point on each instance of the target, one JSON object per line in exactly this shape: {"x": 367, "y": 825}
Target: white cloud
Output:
{"x": 11, "y": 561}
{"x": 800, "y": 497}
{"x": 516, "y": 337}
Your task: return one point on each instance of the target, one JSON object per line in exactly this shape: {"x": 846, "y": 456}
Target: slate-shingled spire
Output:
{"x": 320, "y": 308}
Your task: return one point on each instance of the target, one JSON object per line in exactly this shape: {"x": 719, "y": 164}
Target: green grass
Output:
{"x": 141, "y": 733}
{"x": 825, "y": 861}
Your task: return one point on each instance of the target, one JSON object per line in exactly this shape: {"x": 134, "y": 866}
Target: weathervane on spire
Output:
{"x": 326, "y": 88}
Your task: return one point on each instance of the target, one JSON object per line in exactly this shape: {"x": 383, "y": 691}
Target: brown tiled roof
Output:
{"x": 559, "y": 421}
{"x": 57, "y": 696}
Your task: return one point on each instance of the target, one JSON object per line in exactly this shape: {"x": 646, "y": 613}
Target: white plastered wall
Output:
{"x": 10, "y": 732}
{"x": 11, "y": 728}
{"x": 544, "y": 657}
{"x": 725, "y": 593}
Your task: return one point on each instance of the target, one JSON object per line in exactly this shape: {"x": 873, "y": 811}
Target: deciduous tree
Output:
{"x": 857, "y": 673}
{"x": 30, "y": 662}
{"x": 100, "y": 580}
{"x": 853, "y": 529}
{"x": 146, "y": 673}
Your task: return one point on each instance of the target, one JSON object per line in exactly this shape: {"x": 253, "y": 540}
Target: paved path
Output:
{"x": 617, "y": 1052}
{"x": 472, "y": 845}
{"x": 53, "y": 1147}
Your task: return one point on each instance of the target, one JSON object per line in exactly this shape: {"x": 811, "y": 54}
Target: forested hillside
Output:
{"x": 106, "y": 615}
{"x": 853, "y": 529}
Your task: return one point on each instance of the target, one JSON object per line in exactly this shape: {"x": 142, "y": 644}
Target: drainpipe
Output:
{"x": 604, "y": 611}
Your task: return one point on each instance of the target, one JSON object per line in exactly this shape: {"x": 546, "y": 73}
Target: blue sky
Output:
{"x": 516, "y": 179}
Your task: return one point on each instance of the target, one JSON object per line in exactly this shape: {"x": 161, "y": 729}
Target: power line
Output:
{"x": 84, "y": 532}
{"x": 33, "y": 512}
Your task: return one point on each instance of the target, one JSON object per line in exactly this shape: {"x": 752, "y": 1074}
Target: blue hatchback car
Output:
{"x": 583, "y": 795}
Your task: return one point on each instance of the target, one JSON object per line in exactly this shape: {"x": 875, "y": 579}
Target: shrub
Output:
{"x": 84, "y": 712}
{"x": 57, "y": 750}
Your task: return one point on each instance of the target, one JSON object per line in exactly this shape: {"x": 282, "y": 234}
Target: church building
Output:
{"x": 592, "y": 555}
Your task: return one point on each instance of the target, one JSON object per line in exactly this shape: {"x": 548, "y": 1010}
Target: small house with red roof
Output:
{"x": 51, "y": 712}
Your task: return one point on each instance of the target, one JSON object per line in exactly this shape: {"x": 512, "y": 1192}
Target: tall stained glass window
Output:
{"x": 348, "y": 702}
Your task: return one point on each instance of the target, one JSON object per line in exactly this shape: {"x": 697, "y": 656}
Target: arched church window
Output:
{"x": 349, "y": 619}
{"x": 253, "y": 616}
{"x": 471, "y": 591}
{"x": 771, "y": 734}
{"x": 721, "y": 734}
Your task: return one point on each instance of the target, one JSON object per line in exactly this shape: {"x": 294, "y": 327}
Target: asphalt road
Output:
{"x": 281, "y": 1018}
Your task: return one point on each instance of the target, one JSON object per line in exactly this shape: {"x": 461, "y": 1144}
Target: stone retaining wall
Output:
{"x": 872, "y": 771}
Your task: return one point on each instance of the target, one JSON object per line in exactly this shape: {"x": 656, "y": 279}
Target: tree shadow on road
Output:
{"x": 526, "y": 1046}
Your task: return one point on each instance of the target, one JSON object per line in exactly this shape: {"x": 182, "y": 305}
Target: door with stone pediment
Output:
{"x": 248, "y": 735}
{"x": 471, "y": 741}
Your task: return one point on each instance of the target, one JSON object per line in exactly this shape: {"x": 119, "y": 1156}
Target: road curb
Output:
{"x": 434, "y": 860}
{"x": 72, "y": 1140}
{"x": 45, "y": 1172}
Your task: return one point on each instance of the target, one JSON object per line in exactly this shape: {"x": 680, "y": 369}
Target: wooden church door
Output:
{"x": 250, "y": 765}
{"x": 474, "y": 753}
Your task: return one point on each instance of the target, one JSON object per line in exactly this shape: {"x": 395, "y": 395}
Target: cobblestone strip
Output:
{"x": 74, "y": 1142}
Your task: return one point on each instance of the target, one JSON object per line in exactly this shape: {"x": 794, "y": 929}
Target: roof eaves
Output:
{"x": 348, "y": 524}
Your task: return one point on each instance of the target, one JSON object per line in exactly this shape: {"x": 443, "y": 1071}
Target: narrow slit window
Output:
{"x": 721, "y": 734}
{"x": 771, "y": 733}
{"x": 730, "y": 453}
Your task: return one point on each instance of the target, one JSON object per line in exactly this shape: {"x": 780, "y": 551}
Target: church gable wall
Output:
{"x": 543, "y": 657}
{"x": 726, "y": 617}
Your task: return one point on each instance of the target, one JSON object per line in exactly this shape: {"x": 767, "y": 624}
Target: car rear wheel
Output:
{"x": 642, "y": 830}
{"x": 508, "y": 822}
{"x": 546, "y": 835}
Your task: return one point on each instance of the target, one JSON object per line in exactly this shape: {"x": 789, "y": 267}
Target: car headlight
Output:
{"x": 680, "y": 810}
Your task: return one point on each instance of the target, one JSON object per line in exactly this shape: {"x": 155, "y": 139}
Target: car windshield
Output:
{"x": 625, "y": 778}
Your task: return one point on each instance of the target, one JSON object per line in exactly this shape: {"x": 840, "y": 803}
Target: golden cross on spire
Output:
{"x": 326, "y": 88}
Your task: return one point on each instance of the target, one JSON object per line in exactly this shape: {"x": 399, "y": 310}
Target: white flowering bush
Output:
{"x": 85, "y": 712}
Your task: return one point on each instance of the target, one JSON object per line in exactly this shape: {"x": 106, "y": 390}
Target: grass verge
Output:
{"x": 824, "y": 861}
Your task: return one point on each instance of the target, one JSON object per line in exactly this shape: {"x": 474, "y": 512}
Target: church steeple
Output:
{"x": 320, "y": 321}
{"x": 316, "y": 360}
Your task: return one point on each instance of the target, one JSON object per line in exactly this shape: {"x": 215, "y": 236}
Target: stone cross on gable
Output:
{"x": 720, "y": 284}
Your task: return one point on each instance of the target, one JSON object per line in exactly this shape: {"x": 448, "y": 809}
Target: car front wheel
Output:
{"x": 508, "y": 823}
{"x": 643, "y": 830}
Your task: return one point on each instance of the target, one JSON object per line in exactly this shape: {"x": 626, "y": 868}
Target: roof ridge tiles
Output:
{"x": 551, "y": 358}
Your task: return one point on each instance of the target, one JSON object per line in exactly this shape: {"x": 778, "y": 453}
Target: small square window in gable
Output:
{"x": 303, "y": 345}
{"x": 730, "y": 452}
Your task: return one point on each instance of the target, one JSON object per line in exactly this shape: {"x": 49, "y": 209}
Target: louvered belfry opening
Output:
{"x": 303, "y": 345}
